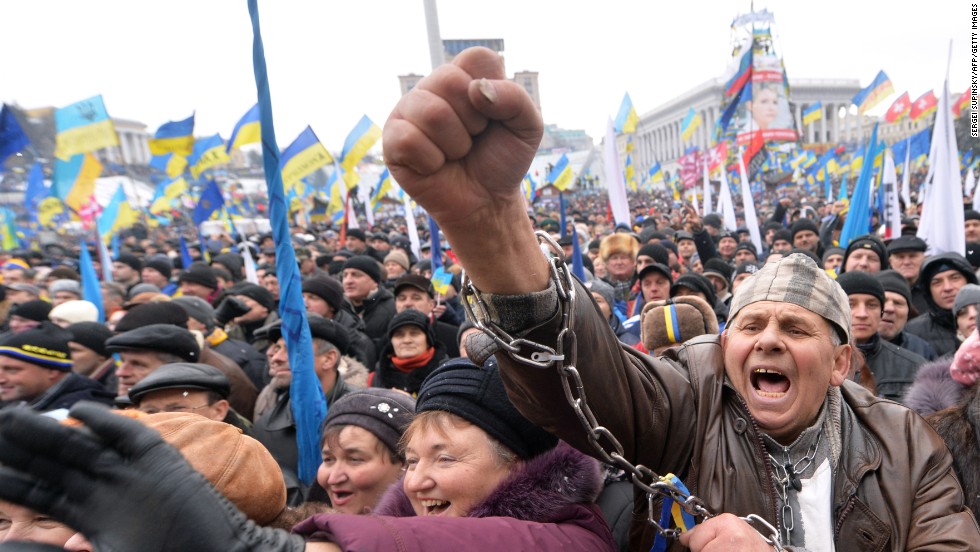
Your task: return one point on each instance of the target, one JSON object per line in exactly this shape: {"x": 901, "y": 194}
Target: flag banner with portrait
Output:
{"x": 765, "y": 107}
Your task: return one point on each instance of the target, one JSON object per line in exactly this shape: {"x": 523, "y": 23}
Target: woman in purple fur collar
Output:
{"x": 479, "y": 477}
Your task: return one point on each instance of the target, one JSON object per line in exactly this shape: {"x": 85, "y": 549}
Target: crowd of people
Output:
{"x": 817, "y": 387}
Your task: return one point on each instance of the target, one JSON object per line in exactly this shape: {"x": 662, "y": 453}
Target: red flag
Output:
{"x": 899, "y": 109}
{"x": 961, "y": 103}
{"x": 925, "y": 105}
{"x": 717, "y": 156}
{"x": 755, "y": 146}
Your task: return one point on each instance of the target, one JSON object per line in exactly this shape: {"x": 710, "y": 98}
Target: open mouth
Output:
{"x": 432, "y": 507}
{"x": 769, "y": 383}
{"x": 340, "y": 498}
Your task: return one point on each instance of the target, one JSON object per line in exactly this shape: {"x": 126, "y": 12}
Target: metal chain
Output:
{"x": 563, "y": 358}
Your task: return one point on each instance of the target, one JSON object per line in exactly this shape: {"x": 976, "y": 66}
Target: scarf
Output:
{"x": 407, "y": 365}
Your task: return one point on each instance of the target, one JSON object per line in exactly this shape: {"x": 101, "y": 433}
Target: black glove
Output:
{"x": 230, "y": 309}
{"x": 122, "y": 486}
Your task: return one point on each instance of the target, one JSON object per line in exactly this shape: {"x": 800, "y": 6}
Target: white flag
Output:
{"x": 251, "y": 275}
{"x": 614, "y": 178}
{"x": 941, "y": 225}
{"x": 706, "y": 193}
{"x": 748, "y": 205}
{"x": 725, "y": 204}
{"x": 906, "y": 194}
{"x": 413, "y": 231}
{"x": 892, "y": 211}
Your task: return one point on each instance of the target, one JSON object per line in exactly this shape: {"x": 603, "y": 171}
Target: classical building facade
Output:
{"x": 658, "y": 134}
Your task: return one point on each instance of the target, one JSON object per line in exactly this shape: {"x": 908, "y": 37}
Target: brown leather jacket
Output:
{"x": 894, "y": 488}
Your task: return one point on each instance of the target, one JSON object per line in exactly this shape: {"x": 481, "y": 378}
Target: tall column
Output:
{"x": 823, "y": 125}
{"x": 835, "y": 123}
{"x": 798, "y": 117}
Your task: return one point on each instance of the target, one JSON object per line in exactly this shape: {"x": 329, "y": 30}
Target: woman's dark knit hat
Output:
{"x": 476, "y": 394}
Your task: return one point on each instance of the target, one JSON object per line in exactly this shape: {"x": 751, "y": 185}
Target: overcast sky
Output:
{"x": 331, "y": 62}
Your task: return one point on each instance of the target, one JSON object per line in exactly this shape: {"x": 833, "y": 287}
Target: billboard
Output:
{"x": 767, "y": 108}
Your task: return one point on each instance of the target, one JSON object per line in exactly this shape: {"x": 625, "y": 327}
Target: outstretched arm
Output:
{"x": 460, "y": 144}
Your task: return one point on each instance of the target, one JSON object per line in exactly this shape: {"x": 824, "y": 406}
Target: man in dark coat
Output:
{"x": 35, "y": 369}
{"x": 372, "y": 302}
{"x": 940, "y": 279}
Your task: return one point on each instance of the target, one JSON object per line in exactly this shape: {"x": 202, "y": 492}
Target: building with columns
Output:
{"x": 133, "y": 148}
{"x": 658, "y": 134}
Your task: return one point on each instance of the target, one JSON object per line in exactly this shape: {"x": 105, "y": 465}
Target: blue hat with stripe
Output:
{"x": 46, "y": 346}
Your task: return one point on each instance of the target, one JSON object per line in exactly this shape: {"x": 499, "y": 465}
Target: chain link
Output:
{"x": 563, "y": 358}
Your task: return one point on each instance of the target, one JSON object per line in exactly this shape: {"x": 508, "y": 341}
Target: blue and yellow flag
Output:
{"x": 208, "y": 153}
{"x": 36, "y": 190}
{"x": 166, "y": 193}
{"x": 357, "y": 144}
{"x": 627, "y": 118}
{"x": 48, "y": 209}
{"x": 83, "y": 127}
{"x": 630, "y": 173}
{"x": 530, "y": 187}
{"x": 247, "y": 131}
{"x": 561, "y": 174}
{"x": 174, "y": 137}
{"x": 172, "y": 164}
{"x": 210, "y": 201}
{"x": 690, "y": 123}
{"x": 116, "y": 215}
{"x": 870, "y": 96}
{"x": 8, "y": 230}
{"x": 381, "y": 190}
{"x": 74, "y": 180}
{"x": 304, "y": 156}
{"x": 812, "y": 113}
{"x": 12, "y": 137}
{"x": 656, "y": 173}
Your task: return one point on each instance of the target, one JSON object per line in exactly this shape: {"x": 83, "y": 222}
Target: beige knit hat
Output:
{"x": 673, "y": 321}
{"x": 798, "y": 280}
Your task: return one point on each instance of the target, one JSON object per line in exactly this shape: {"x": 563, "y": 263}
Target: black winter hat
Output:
{"x": 907, "y": 243}
{"x": 200, "y": 273}
{"x": 45, "y": 346}
{"x": 713, "y": 220}
{"x": 415, "y": 318}
{"x": 161, "y": 264}
{"x": 154, "y": 312}
{"x": 231, "y": 261}
{"x": 91, "y": 335}
{"x": 356, "y": 233}
{"x": 165, "y": 338}
{"x": 894, "y": 282}
{"x": 416, "y": 281}
{"x": 784, "y": 235}
{"x": 971, "y": 214}
{"x": 198, "y": 309}
{"x": 129, "y": 259}
{"x": 858, "y": 281}
{"x": 36, "y": 310}
{"x": 256, "y": 293}
{"x": 656, "y": 252}
{"x": 747, "y": 246}
{"x": 476, "y": 394}
{"x": 716, "y": 265}
{"x": 328, "y": 289}
{"x": 695, "y": 282}
{"x": 182, "y": 375}
{"x": 320, "y": 328}
{"x": 365, "y": 264}
{"x": 386, "y": 413}
{"x": 866, "y": 241}
{"x": 802, "y": 225}
{"x": 747, "y": 267}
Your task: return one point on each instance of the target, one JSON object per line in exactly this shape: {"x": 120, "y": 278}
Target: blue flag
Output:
{"x": 561, "y": 213}
{"x": 578, "y": 267}
{"x": 858, "y": 220}
{"x": 36, "y": 190}
{"x": 211, "y": 200}
{"x": 91, "y": 289}
{"x": 185, "y": 254}
{"x": 12, "y": 137}
{"x": 309, "y": 407}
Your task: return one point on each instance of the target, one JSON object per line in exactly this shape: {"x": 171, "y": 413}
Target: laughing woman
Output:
{"x": 479, "y": 477}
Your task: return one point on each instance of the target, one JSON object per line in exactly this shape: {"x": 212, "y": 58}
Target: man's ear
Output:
{"x": 842, "y": 364}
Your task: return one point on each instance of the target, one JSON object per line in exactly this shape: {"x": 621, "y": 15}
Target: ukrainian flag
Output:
{"x": 381, "y": 190}
{"x": 305, "y": 155}
{"x": 530, "y": 187}
{"x": 630, "y": 173}
{"x": 174, "y": 136}
{"x": 208, "y": 152}
{"x": 49, "y": 208}
{"x": 172, "y": 164}
{"x": 870, "y": 96}
{"x": 814, "y": 112}
{"x": 8, "y": 230}
{"x": 656, "y": 173}
{"x": 74, "y": 180}
{"x": 83, "y": 127}
{"x": 247, "y": 131}
{"x": 561, "y": 175}
{"x": 627, "y": 118}
{"x": 357, "y": 144}
{"x": 117, "y": 214}
{"x": 690, "y": 123}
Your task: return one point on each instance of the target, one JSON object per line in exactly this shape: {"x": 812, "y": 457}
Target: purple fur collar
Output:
{"x": 536, "y": 490}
